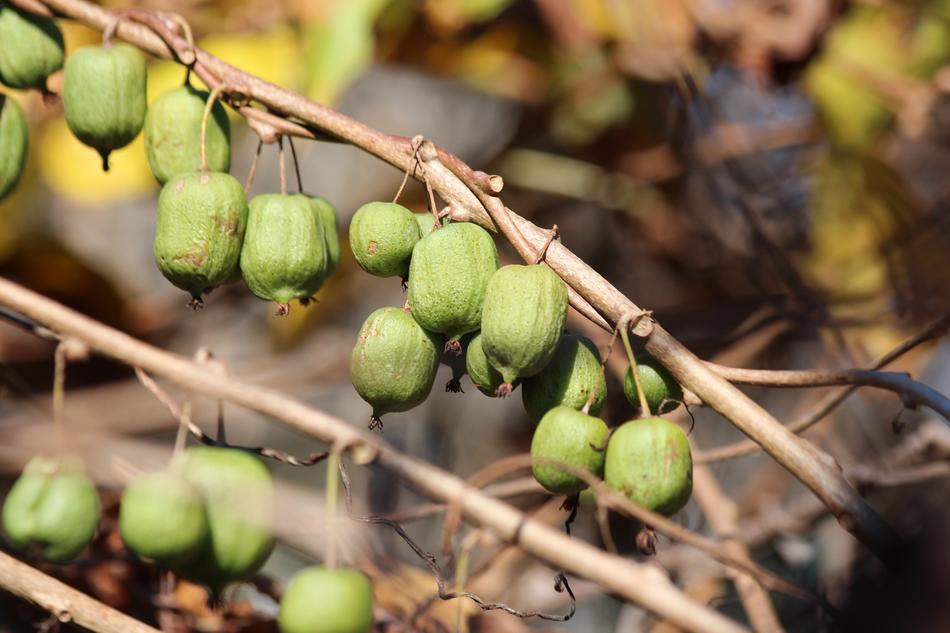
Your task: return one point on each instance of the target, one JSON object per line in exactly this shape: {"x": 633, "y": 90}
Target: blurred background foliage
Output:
{"x": 743, "y": 167}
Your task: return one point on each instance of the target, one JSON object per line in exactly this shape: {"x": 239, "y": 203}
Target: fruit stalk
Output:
{"x": 204, "y": 125}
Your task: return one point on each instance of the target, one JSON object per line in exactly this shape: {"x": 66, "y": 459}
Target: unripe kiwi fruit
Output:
{"x": 331, "y": 232}
{"x": 649, "y": 461}
{"x": 662, "y": 392}
{"x": 104, "y": 96}
{"x": 484, "y": 376}
{"x": 448, "y": 274}
{"x": 162, "y": 517}
{"x": 284, "y": 256}
{"x": 567, "y": 435}
{"x": 382, "y": 236}
{"x": 52, "y": 508}
{"x": 522, "y": 319}
{"x": 394, "y": 362}
{"x": 239, "y": 501}
{"x": 31, "y": 48}
{"x": 324, "y": 600}
{"x": 173, "y": 134}
{"x": 200, "y": 230}
{"x": 569, "y": 379}
{"x": 14, "y": 143}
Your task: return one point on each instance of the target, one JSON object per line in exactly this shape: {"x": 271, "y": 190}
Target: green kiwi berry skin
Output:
{"x": 567, "y": 435}
{"x": 14, "y": 144}
{"x": 31, "y": 48}
{"x": 572, "y": 375}
{"x": 382, "y": 236}
{"x": 663, "y": 394}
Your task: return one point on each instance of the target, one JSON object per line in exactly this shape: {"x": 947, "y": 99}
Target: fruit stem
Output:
{"x": 253, "y": 170}
{"x": 59, "y": 380}
{"x": 283, "y": 166}
{"x": 644, "y": 407}
{"x": 332, "y": 497}
{"x": 293, "y": 152}
{"x": 182, "y": 434}
{"x": 204, "y": 125}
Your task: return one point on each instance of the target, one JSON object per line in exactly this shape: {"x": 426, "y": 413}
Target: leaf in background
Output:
{"x": 340, "y": 45}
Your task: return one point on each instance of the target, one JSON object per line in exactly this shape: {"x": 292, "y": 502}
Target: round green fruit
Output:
{"x": 162, "y": 517}
{"x": 394, "y": 362}
{"x": 239, "y": 502}
{"x": 484, "y": 376}
{"x": 200, "y": 230}
{"x": 574, "y": 438}
{"x": 331, "y": 232}
{"x": 568, "y": 379}
{"x": 662, "y": 392}
{"x": 448, "y": 275}
{"x": 382, "y": 236}
{"x": 649, "y": 461}
{"x": 522, "y": 319}
{"x": 53, "y": 508}
{"x": 14, "y": 142}
{"x": 323, "y": 600}
{"x": 173, "y": 134}
{"x": 285, "y": 253}
{"x": 104, "y": 96}
{"x": 31, "y": 49}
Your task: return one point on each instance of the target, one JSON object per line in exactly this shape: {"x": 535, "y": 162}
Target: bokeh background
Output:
{"x": 768, "y": 176}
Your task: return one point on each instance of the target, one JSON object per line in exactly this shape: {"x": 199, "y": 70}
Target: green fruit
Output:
{"x": 14, "y": 141}
{"x": 382, "y": 235}
{"x": 162, "y": 517}
{"x": 524, "y": 312}
{"x": 572, "y": 375}
{"x": 661, "y": 390}
{"x": 426, "y": 223}
{"x": 31, "y": 50}
{"x": 285, "y": 253}
{"x": 53, "y": 508}
{"x": 484, "y": 376}
{"x": 331, "y": 232}
{"x": 448, "y": 275}
{"x": 322, "y": 600}
{"x": 650, "y": 462}
{"x": 173, "y": 134}
{"x": 394, "y": 362}
{"x": 104, "y": 96}
{"x": 239, "y": 501}
{"x": 200, "y": 230}
{"x": 574, "y": 438}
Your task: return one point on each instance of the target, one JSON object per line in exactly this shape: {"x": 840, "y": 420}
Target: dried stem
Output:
{"x": 209, "y": 105}
{"x": 634, "y": 369}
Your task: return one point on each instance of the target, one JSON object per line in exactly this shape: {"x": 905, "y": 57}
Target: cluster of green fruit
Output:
{"x": 509, "y": 322}
{"x": 208, "y": 517}
{"x": 207, "y": 234}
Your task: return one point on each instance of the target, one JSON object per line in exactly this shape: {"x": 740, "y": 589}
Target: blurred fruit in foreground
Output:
{"x": 14, "y": 141}
{"x": 324, "y": 600}
{"x": 52, "y": 509}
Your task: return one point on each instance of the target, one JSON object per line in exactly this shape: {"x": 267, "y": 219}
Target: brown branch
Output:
{"x": 833, "y": 400}
{"x": 807, "y": 463}
{"x": 638, "y": 583}
{"x": 912, "y": 393}
{"x": 721, "y": 513}
{"x": 65, "y": 603}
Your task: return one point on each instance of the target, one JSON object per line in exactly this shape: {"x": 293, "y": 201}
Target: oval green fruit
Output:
{"x": 649, "y": 461}
{"x": 31, "y": 50}
{"x": 239, "y": 502}
{"x": 394, "y": 362}
{"x": 448, "y": 274}
{"x": 662, "y": 392}
{"x": 53, "y": 507}
{"x": 173, "y": 134}
{"x": 104, "y": 96}
{"x": 572, "y": 437}
{"x": 285, "y": 254}
{"x": 323, "y": 600}
{"x": 382, "y": 236}
{"x": 14, "y": 142}
{"x": 484, "y": 376}
{"x": 522, "y": 319}
{"x": 200, "y": 230}
{"x": 568, "y": 379}
{"x": 331, "y": 232}
{"x": 162, "y": 517}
